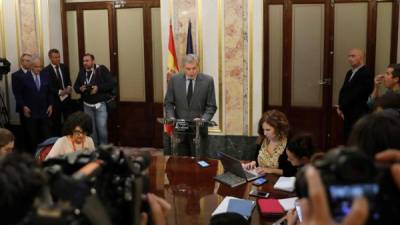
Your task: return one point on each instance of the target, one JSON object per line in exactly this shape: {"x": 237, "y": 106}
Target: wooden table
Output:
{"x": 194, "y": 194}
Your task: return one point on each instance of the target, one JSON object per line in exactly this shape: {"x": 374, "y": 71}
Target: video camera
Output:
{"x": 4, "y": 67}
{"x": 347, "y": 174}
{"x": 103, "y": 187}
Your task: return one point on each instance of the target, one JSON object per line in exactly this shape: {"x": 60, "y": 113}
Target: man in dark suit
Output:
{"x": 353, "y": 96}
{"x": 25, "y": 62}
{"x": 60, "y": 86}
{"x": 191, "y": 96}
{"x": 36, "y": 102}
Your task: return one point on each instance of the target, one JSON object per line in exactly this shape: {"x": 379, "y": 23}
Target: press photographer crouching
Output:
{"x": 348, "y": 174}
{"x": 104, "y": 187}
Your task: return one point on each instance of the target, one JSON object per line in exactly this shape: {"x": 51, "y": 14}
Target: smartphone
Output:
{"x": 257, "y": 193}
{"x": 342, "y": 197}
{"x": 260, "y": 181}
{"x": 203, "y": 164}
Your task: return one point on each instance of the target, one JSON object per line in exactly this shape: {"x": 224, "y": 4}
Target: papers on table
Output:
{"x": 237, "y": 205}
{"x": 285, "y": 184}
{"x": 288, "y": 203}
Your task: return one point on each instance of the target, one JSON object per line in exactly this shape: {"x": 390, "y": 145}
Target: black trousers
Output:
{"x": 61, "y": 112}
{"x": 348, "y": 123}
{"x": 38, "y": 130}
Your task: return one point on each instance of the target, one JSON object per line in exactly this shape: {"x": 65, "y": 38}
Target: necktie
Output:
{"x": 59, "y": 76}
{"x": 37, "y": 82}
{"x": 189, "y": 91}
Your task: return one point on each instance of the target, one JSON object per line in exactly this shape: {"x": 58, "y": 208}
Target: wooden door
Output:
{"x": 128, "y": 41}
{"x": 305, "y": 57}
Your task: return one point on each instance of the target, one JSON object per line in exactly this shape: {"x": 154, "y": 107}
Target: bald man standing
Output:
{"x": 36, "y": 102}
{"x": 353, "y": 96}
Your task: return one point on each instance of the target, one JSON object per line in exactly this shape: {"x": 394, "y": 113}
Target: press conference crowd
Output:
{"x": 54, "y": 125}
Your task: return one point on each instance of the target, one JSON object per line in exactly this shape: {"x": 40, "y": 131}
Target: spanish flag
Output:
{"x": 172, "y": 61}
{"x": 172, "y": 66}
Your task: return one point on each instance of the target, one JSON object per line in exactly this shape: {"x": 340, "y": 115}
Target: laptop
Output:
{"x": 234, "y": 174}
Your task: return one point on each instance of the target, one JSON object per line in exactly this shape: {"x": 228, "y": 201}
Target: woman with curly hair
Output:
{"x": 76, "y": 130}
{"x": 273, "y": 130}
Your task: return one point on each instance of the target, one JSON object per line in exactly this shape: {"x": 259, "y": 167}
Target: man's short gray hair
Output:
{"x": 190, "y": 59}
{"x": 36, "y": 57}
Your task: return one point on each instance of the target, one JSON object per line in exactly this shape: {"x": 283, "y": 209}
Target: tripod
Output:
{"x": 4, "y": 119}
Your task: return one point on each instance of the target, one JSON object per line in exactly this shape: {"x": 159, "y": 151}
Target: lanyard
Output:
{"x": 87, "y": 81}
{"x": 73, "y": 144}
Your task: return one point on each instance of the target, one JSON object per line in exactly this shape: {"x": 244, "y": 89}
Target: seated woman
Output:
{"x": 299, "y": 151}
{"x": 76, "y": 129}
{"x": 273, "y": 129}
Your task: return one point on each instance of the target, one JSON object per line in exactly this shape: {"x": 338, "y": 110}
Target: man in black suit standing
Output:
{"x": 191, "y": 96}
{"x": 353, "y": 96}
{"x": 60, "y": 86}
{"x": 25, "y": 63}
{"x": 35, "y": 100}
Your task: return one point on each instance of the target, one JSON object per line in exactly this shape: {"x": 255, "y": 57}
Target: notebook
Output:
{"x": 285, "y": 184}
{"x": 237, "y": 205}
{"x": 270, "y": 207}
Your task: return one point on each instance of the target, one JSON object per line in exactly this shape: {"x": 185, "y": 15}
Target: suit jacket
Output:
{"x": 16, "y": 85}
{"x": 55, "y": 83}
{"x": 202, "y": 104}
{"x": 354, "y": 94}
{"x": 36, "y": 100}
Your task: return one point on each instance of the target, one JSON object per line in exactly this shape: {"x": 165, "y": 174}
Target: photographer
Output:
{"x": 377, "y": 132}
{"x": 95, "y": 84}
{"x": 21, "y": 181}
{"x": 347, "y": 177}
{"x": 316, "y": 210}
{"x": 25, "y": 195}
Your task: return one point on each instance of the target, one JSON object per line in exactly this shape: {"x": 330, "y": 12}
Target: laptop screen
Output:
{"x": 231, "y": 164}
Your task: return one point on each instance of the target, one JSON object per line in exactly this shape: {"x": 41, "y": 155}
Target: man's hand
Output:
{"x": 391, "y": 156}
{"x": 159, "y": 210}
{"x": 378, "y": 80}
{"x": 94, "y": 90}
{"x": 68, "y": 89}
{"x": 315, "y": 208}
{"x": 339, "y": 112}
{"x": 82, "y": 88}
{"x": 27, "y": 111}
{"x": 49, "y": 111}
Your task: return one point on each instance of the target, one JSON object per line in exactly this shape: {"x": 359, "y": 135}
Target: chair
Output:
{"x": 44, "y": 148}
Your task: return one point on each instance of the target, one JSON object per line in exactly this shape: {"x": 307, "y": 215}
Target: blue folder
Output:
{"x": 241, "y": 206}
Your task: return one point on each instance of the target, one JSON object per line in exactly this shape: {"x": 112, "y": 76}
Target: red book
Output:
{"x": 270, "y": 207}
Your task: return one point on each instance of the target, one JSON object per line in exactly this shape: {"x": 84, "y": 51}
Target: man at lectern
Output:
{"x": 191, "y": 96}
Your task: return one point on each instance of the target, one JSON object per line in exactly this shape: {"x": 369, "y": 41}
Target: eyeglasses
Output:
{"x": 78, "y": 132}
